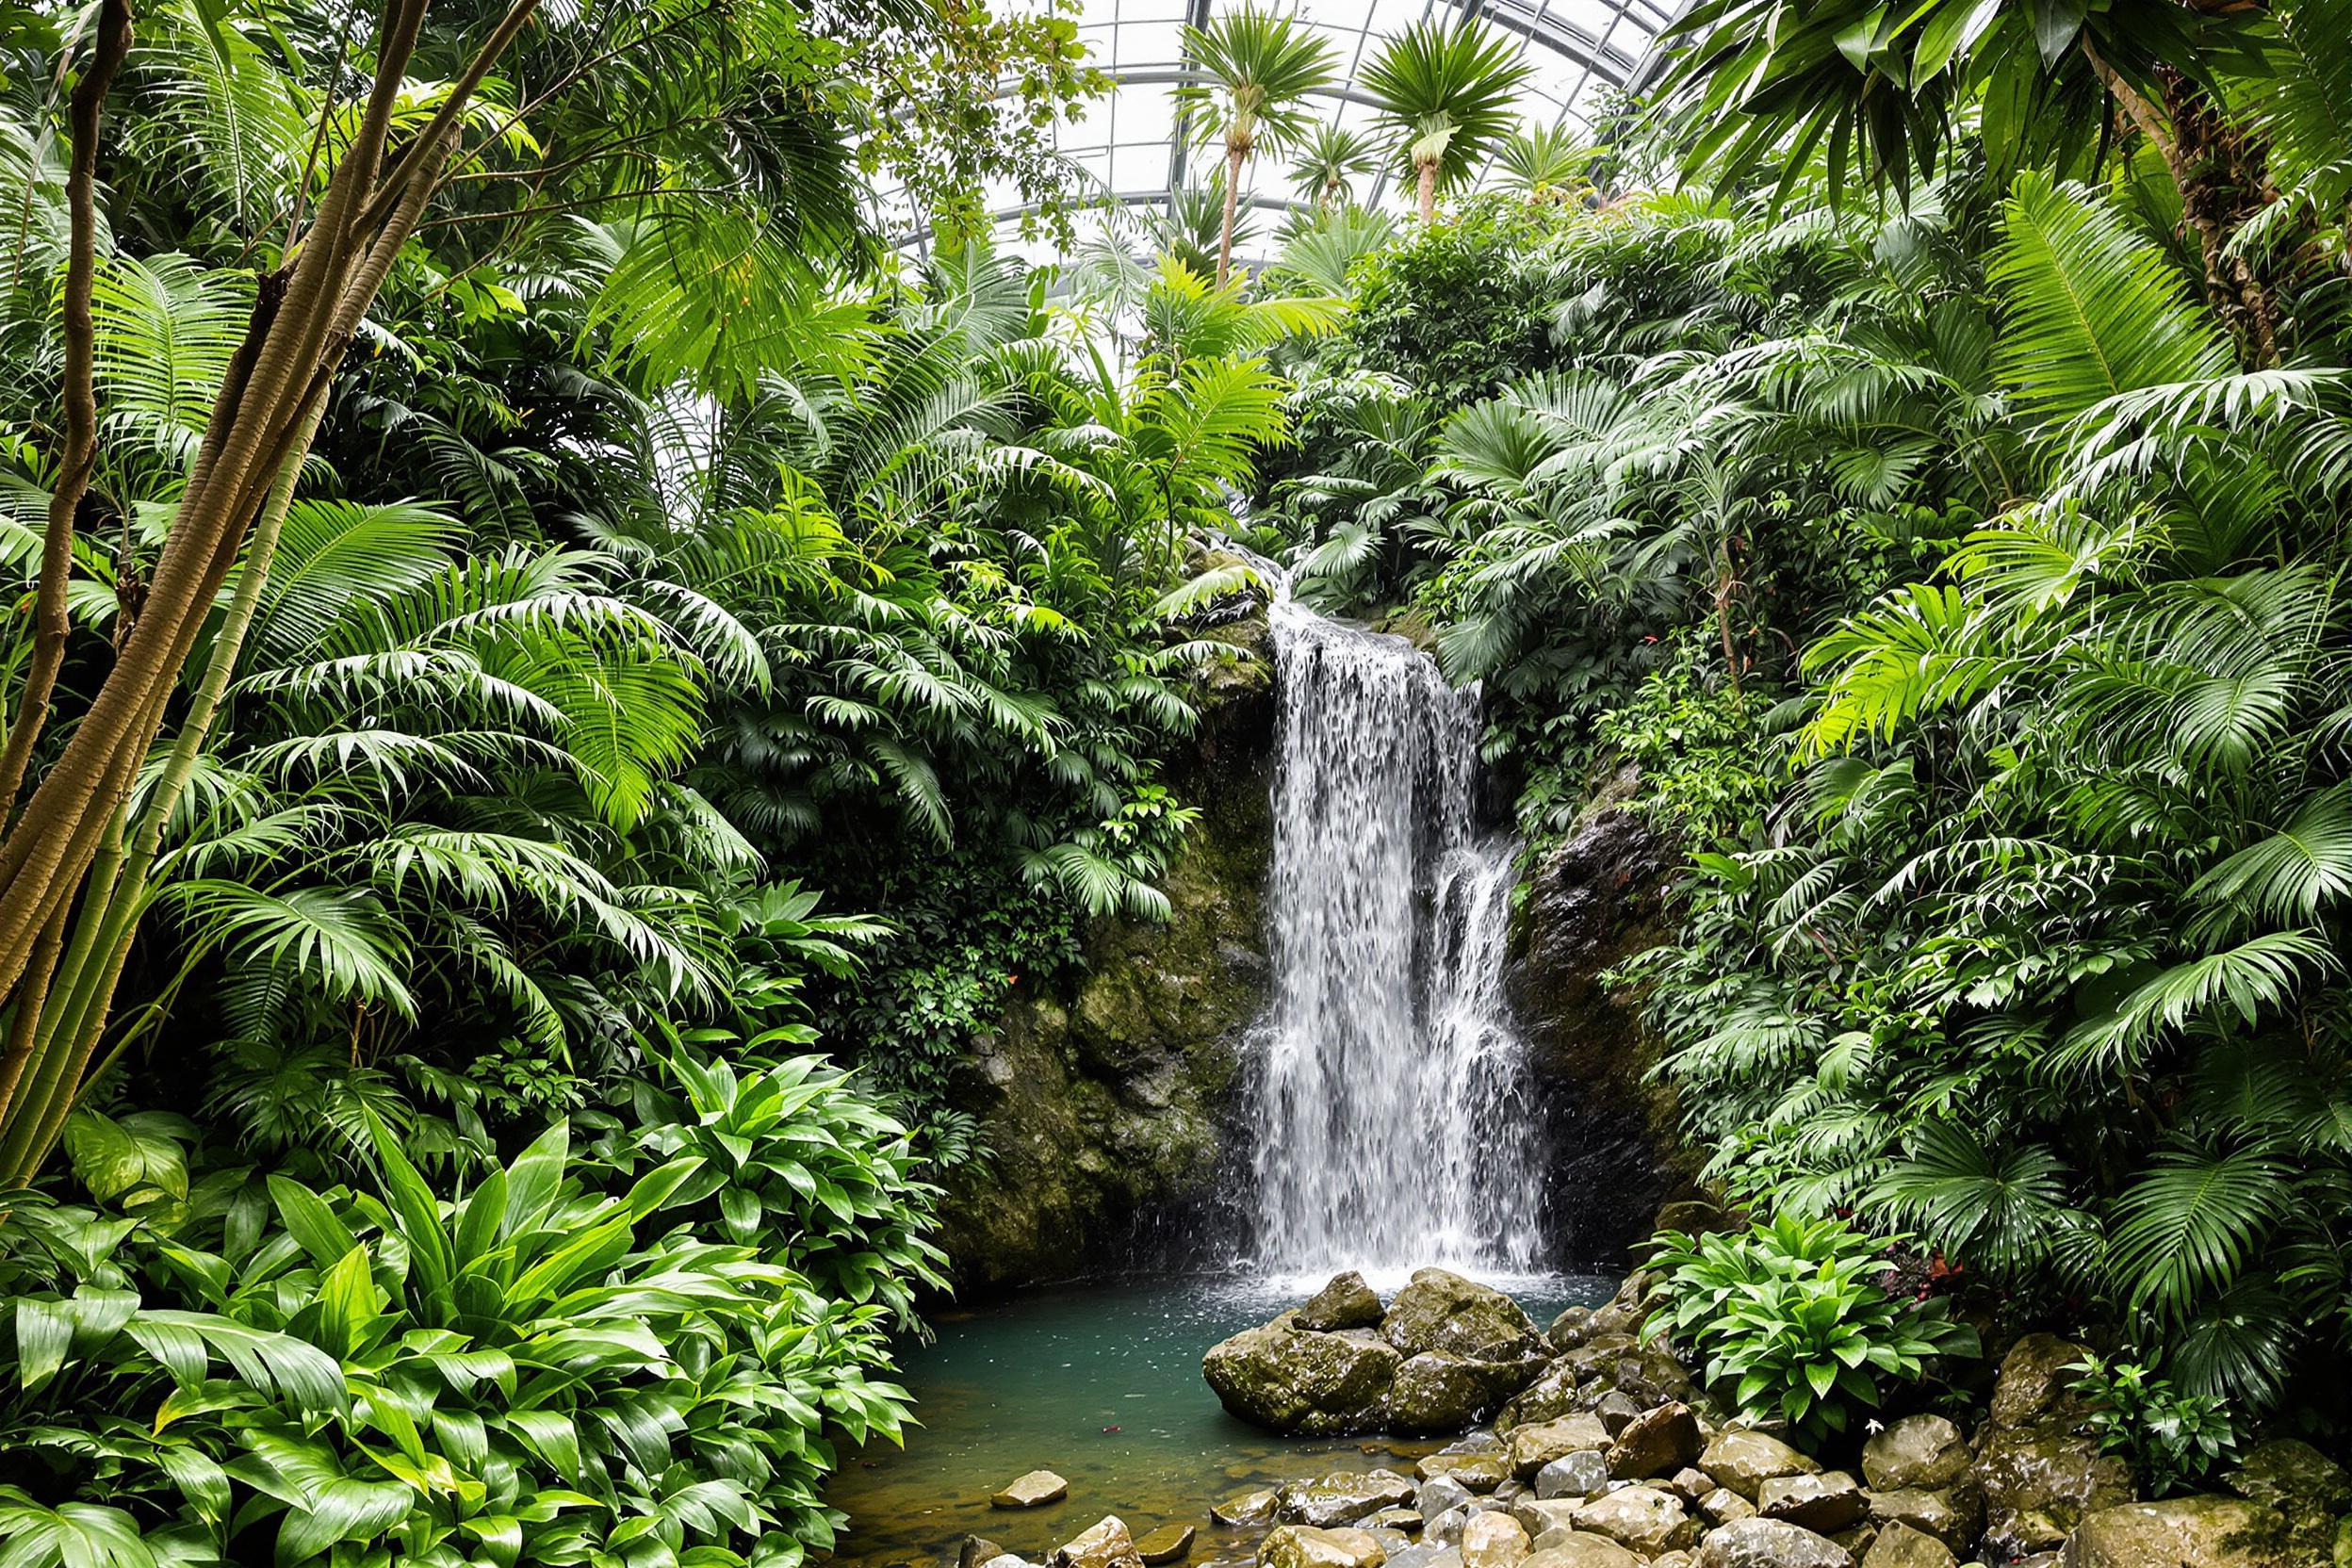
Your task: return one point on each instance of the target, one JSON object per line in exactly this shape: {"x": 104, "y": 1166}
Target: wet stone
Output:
{"x": 1168, "y": 1543}
{"x": 1034, "y": 1489}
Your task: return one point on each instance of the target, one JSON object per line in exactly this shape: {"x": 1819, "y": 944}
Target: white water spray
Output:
{"x": 1394, "y": 1114}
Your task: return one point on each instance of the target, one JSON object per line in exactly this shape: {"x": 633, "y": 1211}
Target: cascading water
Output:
{"x": 1394, "y": 1116}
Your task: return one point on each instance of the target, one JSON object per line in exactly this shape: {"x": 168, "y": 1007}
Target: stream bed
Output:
{"x": 1102, "y": 1384}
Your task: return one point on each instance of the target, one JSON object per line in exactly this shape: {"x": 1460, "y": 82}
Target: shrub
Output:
{"x": 2172, "y": 1440}
{"x": 247, "y": 1369}
{"x": 1792, "y": 1319}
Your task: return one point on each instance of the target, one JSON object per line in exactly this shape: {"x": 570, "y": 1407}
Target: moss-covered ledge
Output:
{"x": 1104, "y": 1103}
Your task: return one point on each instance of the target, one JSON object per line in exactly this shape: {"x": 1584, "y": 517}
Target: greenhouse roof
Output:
{"x": 1133, "y": 154}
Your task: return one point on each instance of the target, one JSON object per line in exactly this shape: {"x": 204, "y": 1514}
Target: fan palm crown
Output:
{"x": 1447, "y": 92}
{"x": 1331, "y": 161}
{"x": 1257, "y": 69}
{"x": 1543, "y": 162}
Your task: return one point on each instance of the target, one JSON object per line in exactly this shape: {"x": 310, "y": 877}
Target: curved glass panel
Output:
{"x": 1132, "y": 157}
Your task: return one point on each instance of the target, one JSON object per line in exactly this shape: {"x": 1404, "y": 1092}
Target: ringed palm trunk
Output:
{"x": 2222, "y": 184}
{"x": 1426, "y": 169}
{"x": 1237, "y": 153}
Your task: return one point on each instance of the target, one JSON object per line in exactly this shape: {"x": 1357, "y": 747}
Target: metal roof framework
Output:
{"x": 1132, "y": 150}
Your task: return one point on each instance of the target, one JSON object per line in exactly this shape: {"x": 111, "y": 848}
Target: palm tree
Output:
{"x": 1544, "y": 162}
{"x": 1327, "y": 168}
{"x": 1259, "y": 67}
{"x": 1757, "y": 86}
{"x": 1447, "y": 92}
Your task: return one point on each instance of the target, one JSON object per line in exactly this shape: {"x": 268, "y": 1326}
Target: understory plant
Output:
{"x": 1792, "y": 1320}
{"x": 2172, "y": 1440}
{"x": 560, "y": 1364}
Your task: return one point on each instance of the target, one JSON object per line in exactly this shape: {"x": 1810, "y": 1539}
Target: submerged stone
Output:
{"x": 1034, "y": 1489}
{"x": 1168, "y": 1543}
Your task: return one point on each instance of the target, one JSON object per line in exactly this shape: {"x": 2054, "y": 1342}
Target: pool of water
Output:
{"x": 1101, "y": 1384}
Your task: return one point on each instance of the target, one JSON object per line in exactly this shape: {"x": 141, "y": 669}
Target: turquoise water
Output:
{"x": 1101, "y": 1384}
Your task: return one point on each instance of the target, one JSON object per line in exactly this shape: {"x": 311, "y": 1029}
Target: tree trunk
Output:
{"x": 2222, "y": 185}
{"x": 70, "y": 836}
{"x": 79, "y": 459}
{"x": 1236, "y": 152}
{"x": 1427, "y": 170}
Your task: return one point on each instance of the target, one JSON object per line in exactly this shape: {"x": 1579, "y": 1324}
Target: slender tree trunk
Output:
{"x": 79, "y": 459}
{"x": 71, "y": 833}
{"x": 1236, "y": 153}
{"x": 1427, "y": 171}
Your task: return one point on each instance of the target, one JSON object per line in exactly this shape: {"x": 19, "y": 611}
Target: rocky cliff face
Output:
{"x": 1595, "y": 900}
{"x": 1104, "y": 1103}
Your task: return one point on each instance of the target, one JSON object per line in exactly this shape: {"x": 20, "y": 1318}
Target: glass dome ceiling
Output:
{"x": 1131, "y": 154}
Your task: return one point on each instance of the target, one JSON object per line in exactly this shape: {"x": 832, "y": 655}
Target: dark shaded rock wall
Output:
{"x": 1594, "y": 902}
{"x": 1103, "y": 1103}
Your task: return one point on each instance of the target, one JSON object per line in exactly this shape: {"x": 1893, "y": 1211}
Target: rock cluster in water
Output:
{"x": 1444, "y": 1353}
{"x": 1601, "y": 1453}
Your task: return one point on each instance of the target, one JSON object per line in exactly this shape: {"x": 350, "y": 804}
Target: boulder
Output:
{"x": 1953, "y": 1515}
{"x": 1341, "y": 1496}
{"x": 1745, "y": 1460}
{"x": 1425, "y": 1557}
{"x": 1492, "y": 1540}
{"x": 1306, "y": 1546}
{"x": 1656, "y": 1442}
{"x": 1579, "y": 1550}
{"x": 977, "y": 1550}
{"x": 1577, "y": 1474}
{"x": 1551, "y": 1396}
{"x": 1294, "y": 1380}
{"x": 1901, "y": 1546}
{"x": 1168, "y": 1543}
{"x": 1723, "y": 1504}
{"x": 1689, "y": 1485}
{"x": 1445, "y": 1529}
{"x": 1474, "y": 1443}
{"x": 1771, "y": 1544}
{"x": 1618, "y": 1410}
{"x": 1106, "y": 1544}
{"x": 1824, "y": 1503}
{"x": 2306, "y": 1486}
{"x": 1034, "y": 1489}
{"x": 1438, "y": 1391}
{"x": 1541, "y": 1515}
{"x": 1916, "y": 1453}
{"x": 2039, "y": 1480}
{"x": 1346, "y": 1302}
{"x": 1641, "y": 1518}
{"x": 1440, "y": 1494}
{"x": 1405, "y": 1520}
{"x": 1007, "y": 1559}
{"x": 2184, "y": 1532}
{"x": 2037, "y": 1381}
{"x": 2291, "y": 1477}
{"x": 1536, "y": 1445}
{"x": 1570, "y": 1328}
{"x": 1439, "y": 1310}
{"x": 1478, "y": 1472}
{"x": 1246, "y": 1508}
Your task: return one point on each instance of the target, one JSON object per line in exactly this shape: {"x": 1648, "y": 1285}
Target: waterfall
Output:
{"x": 1393, "y": 1120}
